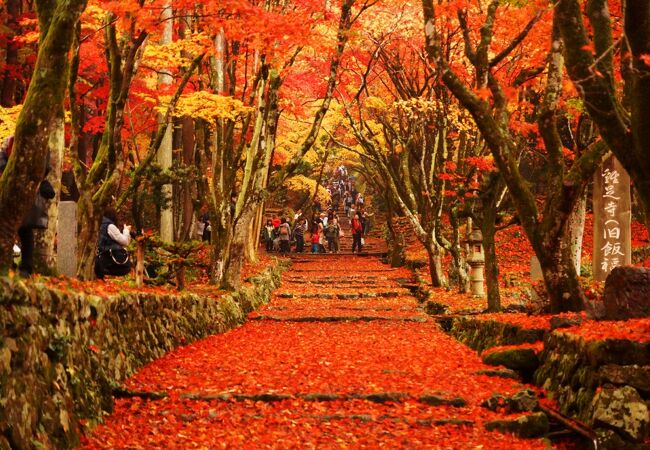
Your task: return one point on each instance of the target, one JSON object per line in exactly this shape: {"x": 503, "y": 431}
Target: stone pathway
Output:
{"x": 342, "y": 357}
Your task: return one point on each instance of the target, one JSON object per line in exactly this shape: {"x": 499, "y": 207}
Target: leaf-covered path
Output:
{"x": 341, "y": 357}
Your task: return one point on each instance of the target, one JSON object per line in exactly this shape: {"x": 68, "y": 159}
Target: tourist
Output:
{"x": 299, "y": 234}
{"x": 275, "y": 221}
{"x": 357, "y": 233}
{"x": 332, "y": 233}
{"x": 315, "y": 238}
{"x": 267, "y": 234}
{"x": 112, "y": 257}
{"x": 284, "y": 234}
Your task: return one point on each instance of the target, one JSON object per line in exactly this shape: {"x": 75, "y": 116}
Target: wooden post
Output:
{"x": 139, "y": 263}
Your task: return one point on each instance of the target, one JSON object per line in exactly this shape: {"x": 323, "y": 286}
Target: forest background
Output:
{"x": 498, "y": 112}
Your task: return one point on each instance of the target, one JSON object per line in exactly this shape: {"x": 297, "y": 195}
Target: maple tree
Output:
{"x": 607, "y": 57}
{"x": 487, "y": 97}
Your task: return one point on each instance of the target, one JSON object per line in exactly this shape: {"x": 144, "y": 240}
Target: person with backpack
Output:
{"x": 357, "y": 233}
{"x": 284, "y": 234}
{"x": 112, "y": 257}
{"x": 332, "y": 234}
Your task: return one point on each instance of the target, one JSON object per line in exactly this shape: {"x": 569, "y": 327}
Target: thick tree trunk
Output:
{"x": 560, "y": 278}
{"x": 435, "y": 264}
{"x": 45, "y": 260}
{"x": 232, "y": 279}
{"x": 26, "y": 166}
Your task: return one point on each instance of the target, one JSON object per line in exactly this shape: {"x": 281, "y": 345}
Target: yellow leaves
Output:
{"x": 176, "y": 54}
{"x": 301, "y": 183}
{"x": 375, "y": 103}
{"x": 8, "y": 118}
{"x": 210, "y": 107}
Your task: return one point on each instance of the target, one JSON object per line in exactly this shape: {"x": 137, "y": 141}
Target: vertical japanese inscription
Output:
{"x": 611, "y": 202}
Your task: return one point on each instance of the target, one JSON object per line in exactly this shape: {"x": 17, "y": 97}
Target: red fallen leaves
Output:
{"x": 113, "y": 286}
{"x": 177, "y": 423}
{"x": 463, "y": 303}
{"x": 631, "y": 329}
{"x": 312, "y": 357}
{"x": 297, "y": 358}
{"x": 536, "y": 346}
{"x": 522, "y": 320}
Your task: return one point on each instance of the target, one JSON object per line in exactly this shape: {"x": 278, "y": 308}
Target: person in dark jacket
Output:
{"x": 36, "y": 217}
{"x": 112, "y": 257}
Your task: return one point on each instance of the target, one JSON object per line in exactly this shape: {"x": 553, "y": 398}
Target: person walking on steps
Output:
{"x": 315, "y": 238}
{"x": 299, "y": 234}
{"x": 284, "y": 231}
{"x": 332, "y": 234}
{"x": 357, "y": 233}
{"x": 268, "y": 235}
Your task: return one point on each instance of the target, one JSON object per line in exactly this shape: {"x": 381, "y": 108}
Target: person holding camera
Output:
{"x": 112, "y": 257}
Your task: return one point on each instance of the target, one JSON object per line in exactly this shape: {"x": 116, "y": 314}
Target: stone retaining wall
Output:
{"x": 482, "y": 334}
{"x": 603, "y": 383}
{"x": 62, "y": 353}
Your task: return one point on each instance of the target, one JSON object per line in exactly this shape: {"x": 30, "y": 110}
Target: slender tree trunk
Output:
{"x": 187, "y": 191}
{"x": 87, "y": 234}
{"x": 577, "y": 229}
{"x": 7, "y": 96}
{"x": 488, "y": 229}
{"x": 165, "y": 153}
{"x": 395, "y": 240}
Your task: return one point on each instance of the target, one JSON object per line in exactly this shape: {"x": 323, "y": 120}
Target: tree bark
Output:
{"x": 488, "y": 229}
{"x": 45, "y": 257}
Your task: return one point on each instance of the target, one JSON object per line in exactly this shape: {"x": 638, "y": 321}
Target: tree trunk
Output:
{"x": 165, "y": 151}
{"x": 26, "y": 166}
{"x": 488, "y": 230}
{"x": 576, "y": 231}
{"x": 560, "y": 278}
{"x": 435, "y": 264}
{"x": 45, "y": 260}
{"x": 395, "y": 240}
{"x": 232, "y": 279}
{"x": 7, "y": 96}
{"x": 88, "y": 222}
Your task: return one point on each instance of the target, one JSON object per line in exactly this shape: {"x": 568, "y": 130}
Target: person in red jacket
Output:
{"x": 315, "y": 238}
{"x": 357, "y": 232}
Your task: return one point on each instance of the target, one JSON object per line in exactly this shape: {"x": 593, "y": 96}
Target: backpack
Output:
{"x": 283, "y": 230}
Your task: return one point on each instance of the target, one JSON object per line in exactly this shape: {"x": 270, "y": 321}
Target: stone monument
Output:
{"x": 612, "y": 218}
{"x": 66, "y": 247}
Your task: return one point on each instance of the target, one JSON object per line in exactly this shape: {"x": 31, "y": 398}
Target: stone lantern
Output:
{"x": 476, "y": 261}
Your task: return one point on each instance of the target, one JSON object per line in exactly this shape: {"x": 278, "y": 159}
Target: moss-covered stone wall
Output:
{"x": 483, "y": 334}
{"x": 604, "y": 383}
{"x": 62, "y": 353}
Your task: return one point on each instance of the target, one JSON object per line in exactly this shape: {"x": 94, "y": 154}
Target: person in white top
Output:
{"x": 112, "y": 257}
